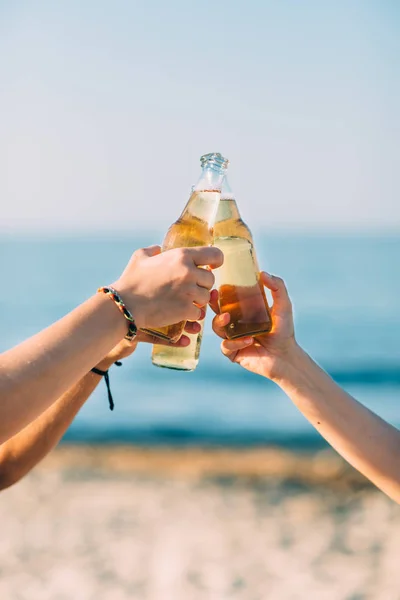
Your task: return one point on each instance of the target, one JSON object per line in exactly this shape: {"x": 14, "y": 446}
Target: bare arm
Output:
{"x": 159, "y": 289}
{"x": 365, "y": 440}
{"x": 21, "y": 453}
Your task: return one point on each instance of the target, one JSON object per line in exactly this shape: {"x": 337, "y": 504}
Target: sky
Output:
{"x": 106, "y": 108}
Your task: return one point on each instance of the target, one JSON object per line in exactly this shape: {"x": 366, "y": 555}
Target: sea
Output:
{"x": 345, "y": 291}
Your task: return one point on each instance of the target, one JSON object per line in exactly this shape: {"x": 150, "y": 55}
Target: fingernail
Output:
{"x": 247, "y": 340}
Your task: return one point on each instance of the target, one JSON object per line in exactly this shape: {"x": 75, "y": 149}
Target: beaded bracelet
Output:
{"x": 116, "y": 298}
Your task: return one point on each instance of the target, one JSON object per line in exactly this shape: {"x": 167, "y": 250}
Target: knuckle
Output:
{"x": 139, "y": 253}
{"x": 185, "y": 273}
{"x": 205, "y": 278}
{"x": 177, "y": 254}
{"x": 186, "y": 255}
{"x": 282, "y": 285}
{"x": 218, "y": 253}
{"x": 192, "y": 291}
{"x": 211, "y": 279}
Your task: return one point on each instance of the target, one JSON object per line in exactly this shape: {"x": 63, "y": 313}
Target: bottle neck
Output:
{"x": 210, "y": 180}
{"x": 204, "y": 201}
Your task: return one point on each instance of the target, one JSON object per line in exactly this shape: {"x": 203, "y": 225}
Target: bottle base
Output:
{"x": 244, "y": 334}
{"x": 187, "y": 366}
{"x": 159, "y": 335}
{"x": 175, "y": 368}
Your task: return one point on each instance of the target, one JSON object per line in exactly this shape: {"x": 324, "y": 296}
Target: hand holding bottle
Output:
{"x": 162, "y": 288}
{"x": 267, "y": 355}
{"x": 365, "y": 440}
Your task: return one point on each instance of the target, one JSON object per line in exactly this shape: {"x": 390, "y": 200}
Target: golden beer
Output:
{"x": 193, "y": 228}
{"x": 241, "y": 293}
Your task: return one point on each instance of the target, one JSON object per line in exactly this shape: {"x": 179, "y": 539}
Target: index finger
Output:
{"x": 207, "y": 255}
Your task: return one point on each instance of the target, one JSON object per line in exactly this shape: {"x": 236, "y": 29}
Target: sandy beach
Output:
{"x": 174, "y": 524}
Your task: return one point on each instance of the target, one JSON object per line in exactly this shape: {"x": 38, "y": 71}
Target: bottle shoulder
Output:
{"x": 233, "y": 228}
{"x": 186, "y": 233}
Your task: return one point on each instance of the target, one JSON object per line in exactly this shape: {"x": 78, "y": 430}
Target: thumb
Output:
{"x": 280, "y": 296}
{"x": 152, "y": 250}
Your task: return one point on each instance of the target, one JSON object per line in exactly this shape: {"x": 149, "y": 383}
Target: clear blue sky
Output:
{"x": 106, "y": 107}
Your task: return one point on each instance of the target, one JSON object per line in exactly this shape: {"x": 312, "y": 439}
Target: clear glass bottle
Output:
{"x": 193, "y": 228}
{"x": 241, "y": 292}
{"x": 180, "y": 359}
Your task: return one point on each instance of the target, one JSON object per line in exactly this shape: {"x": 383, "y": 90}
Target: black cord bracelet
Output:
{"x": 107, "y": 380}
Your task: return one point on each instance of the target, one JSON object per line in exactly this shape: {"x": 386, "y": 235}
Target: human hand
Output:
{"x": 268, "y": 354}
{"x": 126, "y": 348}
{"x": 168, "y": 287}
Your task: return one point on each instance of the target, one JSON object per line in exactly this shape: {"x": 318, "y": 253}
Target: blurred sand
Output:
{"x": 126, "y": 523}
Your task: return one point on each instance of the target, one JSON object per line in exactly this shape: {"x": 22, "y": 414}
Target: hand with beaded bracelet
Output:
{"x": 157, "y": 289}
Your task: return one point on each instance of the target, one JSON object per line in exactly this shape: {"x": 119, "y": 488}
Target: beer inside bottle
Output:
{"x": 241, "y": 292}
{"x": 194, "y": 228}
{"x": 181, "y": 358}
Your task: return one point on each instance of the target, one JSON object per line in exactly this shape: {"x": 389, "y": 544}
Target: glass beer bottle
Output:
{"x": 240, "y": 290}
{"x": 193, "y": 228}
{"x": 180, "y": 359}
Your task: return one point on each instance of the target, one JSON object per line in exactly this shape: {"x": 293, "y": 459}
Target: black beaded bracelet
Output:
{"x": 107, "y": 380}
{"x": 116, "y": 298}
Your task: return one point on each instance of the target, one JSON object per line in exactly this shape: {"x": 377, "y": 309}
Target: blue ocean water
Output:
{"x": 345, "y": 291}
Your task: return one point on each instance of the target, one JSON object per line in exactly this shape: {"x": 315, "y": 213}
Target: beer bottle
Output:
{"x": 240, "y": 290}
{"x": 180, "y": 359}
{"x": 193, "y": 228}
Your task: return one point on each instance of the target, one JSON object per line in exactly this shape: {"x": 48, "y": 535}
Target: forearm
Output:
{"x": 365, "y": 440}
{"x": 38, "y": 371}
{"x": 23, "y": 451}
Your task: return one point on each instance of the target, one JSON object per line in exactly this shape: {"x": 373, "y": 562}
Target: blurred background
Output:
{"x": 105, "y": 110}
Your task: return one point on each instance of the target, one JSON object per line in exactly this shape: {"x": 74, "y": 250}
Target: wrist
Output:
{"x": 292, "y": 367}
{"x": 104, "y": 364}
{"x": 131, "y": 300}
{"x": 110, "y": 317}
